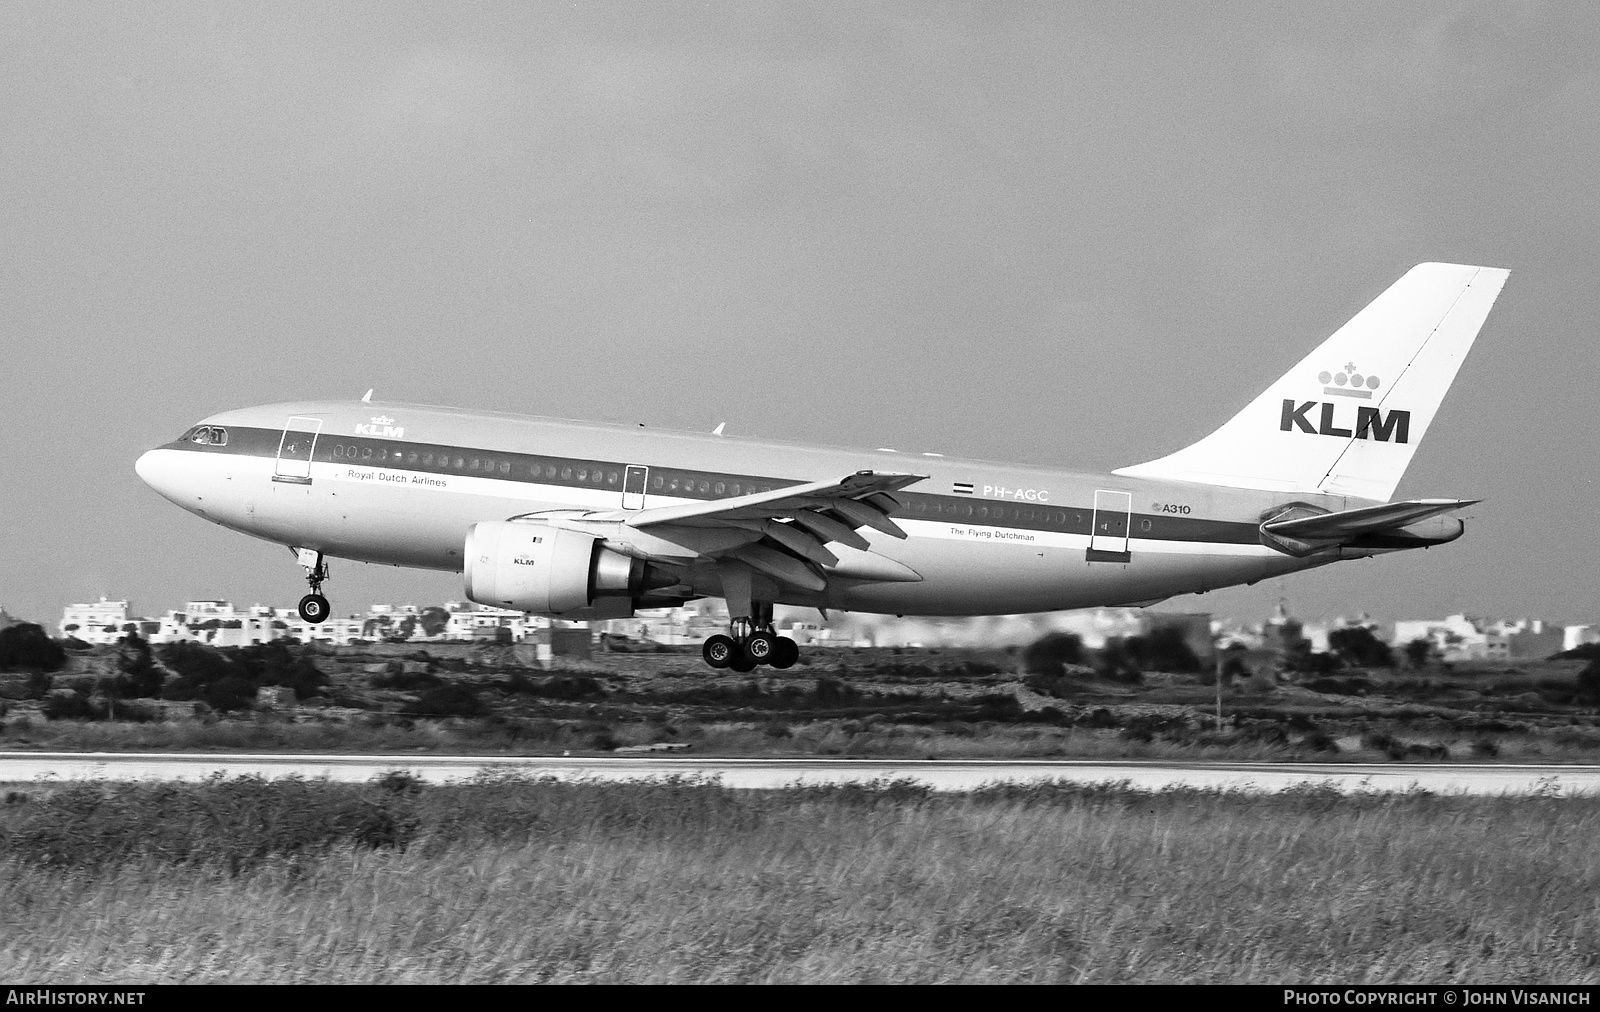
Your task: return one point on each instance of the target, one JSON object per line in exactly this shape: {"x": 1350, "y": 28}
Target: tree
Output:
{"x": 1163, "y": 649}
{"x": 1589, "y": 682}
{"x": 1417, "y": 652}
{"x": 139, "y": 678}
{"x": 1051, "y": 653}
{"x": 27, "y": 647}
{"x": 434, "y": 620}
{"x": 1356, "y": 645}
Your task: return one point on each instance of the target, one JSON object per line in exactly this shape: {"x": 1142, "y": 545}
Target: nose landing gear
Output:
{"x": 314, "y": 608}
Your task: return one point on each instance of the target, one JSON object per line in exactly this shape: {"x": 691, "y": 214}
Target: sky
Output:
{"x": 1062, "y": 234}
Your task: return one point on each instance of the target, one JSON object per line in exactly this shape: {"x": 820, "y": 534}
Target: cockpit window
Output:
{"x": 219, "y": 436}
{"x": 199, "y": 434}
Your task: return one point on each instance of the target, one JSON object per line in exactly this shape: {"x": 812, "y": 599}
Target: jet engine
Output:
{"x": 531, "y": 566}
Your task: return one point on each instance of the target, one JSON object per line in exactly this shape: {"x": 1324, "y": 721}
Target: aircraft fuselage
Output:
{"x": 400, "y": 484}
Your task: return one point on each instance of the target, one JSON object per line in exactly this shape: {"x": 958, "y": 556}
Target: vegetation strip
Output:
{"x": 507, "y": 880}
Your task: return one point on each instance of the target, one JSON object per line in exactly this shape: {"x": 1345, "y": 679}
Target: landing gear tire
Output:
{"x": 784, "y": 653}
{"x": 741, "y": 663}
{"x": 720, "y": 651}
{"x": 314, "y": 608}
{"x": 759, "y": 647}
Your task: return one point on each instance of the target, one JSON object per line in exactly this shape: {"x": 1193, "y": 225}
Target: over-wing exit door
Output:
{"x": 294, "y": 450}
{"x": 1108, "y": 538}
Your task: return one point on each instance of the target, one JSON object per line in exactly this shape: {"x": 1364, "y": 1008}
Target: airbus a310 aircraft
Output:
{"x": 580, "y": 520}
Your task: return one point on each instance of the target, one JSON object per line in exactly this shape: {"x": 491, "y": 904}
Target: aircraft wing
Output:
{"x": 1366, "y": 520}
{"x": 790, "y": 529}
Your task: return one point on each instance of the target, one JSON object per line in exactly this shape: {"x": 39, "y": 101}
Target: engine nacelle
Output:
{"x": 531, "y": 566}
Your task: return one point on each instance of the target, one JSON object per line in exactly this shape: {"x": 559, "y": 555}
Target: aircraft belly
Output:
{"x": 974, "y": 578}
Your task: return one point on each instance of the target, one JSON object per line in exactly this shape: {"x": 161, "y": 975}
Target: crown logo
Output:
{"x": 382, "y": 420}
{"x": 1348, "y": 382}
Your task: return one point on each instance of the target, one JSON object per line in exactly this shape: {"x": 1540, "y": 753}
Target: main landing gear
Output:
{"x": 749, "y": 645}
{"x": 314, "y": 608}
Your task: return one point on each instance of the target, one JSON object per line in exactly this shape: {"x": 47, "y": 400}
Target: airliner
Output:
{"x": 584, "y": 521}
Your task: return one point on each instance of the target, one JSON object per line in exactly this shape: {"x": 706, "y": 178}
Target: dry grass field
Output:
{"x": 508, "y": 881}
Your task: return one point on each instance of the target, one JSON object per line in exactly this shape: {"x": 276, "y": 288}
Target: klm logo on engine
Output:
{"x": 1368, "y": 422}
{"x": 522, "y": 560}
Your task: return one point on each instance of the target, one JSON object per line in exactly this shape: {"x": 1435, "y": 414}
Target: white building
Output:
{"x": 101, "y": 622}
{"x": 1461, "y": 638}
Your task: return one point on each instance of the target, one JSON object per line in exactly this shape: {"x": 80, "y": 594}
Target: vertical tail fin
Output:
{"x": 1346, "y": 420}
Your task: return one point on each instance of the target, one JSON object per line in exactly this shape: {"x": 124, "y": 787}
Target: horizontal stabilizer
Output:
{"x": 1348, "y": 524}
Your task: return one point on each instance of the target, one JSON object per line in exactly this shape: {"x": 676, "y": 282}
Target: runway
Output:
{"x": 940, "y": 775}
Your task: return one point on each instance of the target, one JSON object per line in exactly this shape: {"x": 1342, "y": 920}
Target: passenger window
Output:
{"x": 566, "y": 474}
{"x": 427, "y": 460}
{"x": 659, "y": 482}
{"x": 366, "y": 453}
{"x": 583, "y": 474}
{"x": 595, "y": 476}
{"x": 411, "y": 458}
{"x": 505, "y": 467}
{"x": 383, "y": 454}
{"x": 461, "y": 463}
{"x": 705, "y": 488}
{"x": 735, "y": 489}
{"x": 550, "y": 471}
{"x": 611, "y": 477}
{"x": 474, "y": 465}
{"x": 721, "y": 487}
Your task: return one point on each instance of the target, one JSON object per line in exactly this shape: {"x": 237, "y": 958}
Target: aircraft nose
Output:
{"x": 157, "y": 469}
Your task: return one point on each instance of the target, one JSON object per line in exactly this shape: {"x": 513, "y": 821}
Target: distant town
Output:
{"x": 221, "y": 623}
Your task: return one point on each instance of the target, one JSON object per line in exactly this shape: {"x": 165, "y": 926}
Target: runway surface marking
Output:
{"x": 941, "y": 775}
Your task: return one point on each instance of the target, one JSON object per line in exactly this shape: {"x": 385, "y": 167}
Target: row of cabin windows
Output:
{"x": 985, "y": 511}
{"x": 588, "y": 474}
{"x": 593, "y": 475}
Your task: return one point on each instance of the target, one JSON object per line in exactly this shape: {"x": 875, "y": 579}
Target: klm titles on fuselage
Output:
{"x": 1396, "y": 425}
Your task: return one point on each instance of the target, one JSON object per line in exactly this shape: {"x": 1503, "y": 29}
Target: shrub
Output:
{"x": 68, "y": 704}
{"x": 25, "y": 646}
{"x": 1051, "y": 653}
{"x": 834, "y": 691}
{"x": 565, "y": 687}
{"x": 454, "y": 700}
{"x": 1117, "y": 663}
{"x": 1317, "y": 741}
{"x": 406, "y": 680}
{"x": 196, "y": 665}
